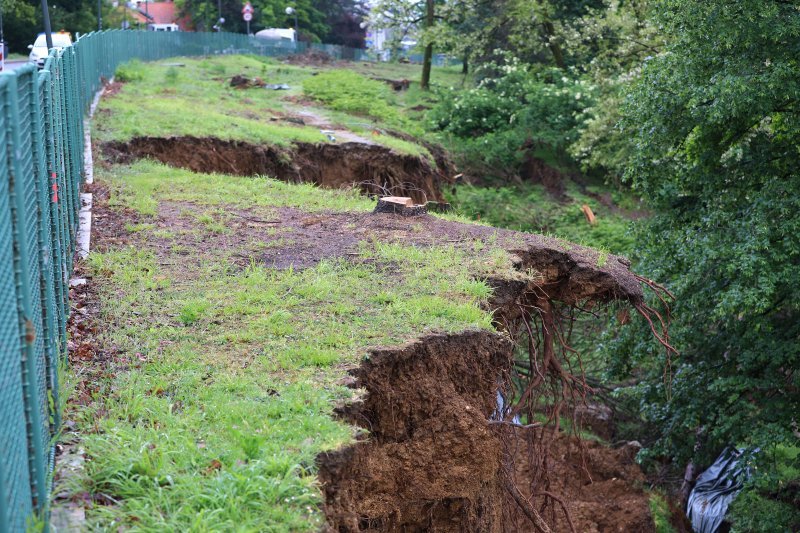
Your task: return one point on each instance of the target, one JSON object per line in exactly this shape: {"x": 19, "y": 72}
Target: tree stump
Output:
{"x": 399, "y": 205}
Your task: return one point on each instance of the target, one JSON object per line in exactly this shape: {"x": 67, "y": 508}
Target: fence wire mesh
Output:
{"x": 41, "y": 173}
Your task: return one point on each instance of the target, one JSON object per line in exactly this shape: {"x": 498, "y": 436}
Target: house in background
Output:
{"x": 155, "y": 16}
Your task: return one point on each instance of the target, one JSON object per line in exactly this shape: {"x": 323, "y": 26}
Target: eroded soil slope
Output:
{"x": 374, "y": 169}
{"x": 433, "y": 458}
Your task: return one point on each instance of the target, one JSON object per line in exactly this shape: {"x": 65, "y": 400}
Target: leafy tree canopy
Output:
{"x": 715, "y": 120}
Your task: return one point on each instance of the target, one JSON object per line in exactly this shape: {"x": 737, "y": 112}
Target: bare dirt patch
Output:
{"x": 311, "y": 58}
{"x": 435, "y": 460}
{"x": 375, "y": 169}
{"x": 601, "y": 487}
{"x": 431, "y": 463}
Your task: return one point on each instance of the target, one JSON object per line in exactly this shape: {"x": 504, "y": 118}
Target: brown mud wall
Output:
{"x": 431, "y": 462}
{"x": 374, "y": 169}
{"x": 435, "y": 461}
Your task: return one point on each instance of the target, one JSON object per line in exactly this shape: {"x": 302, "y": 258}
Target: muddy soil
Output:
{"x": 374, "y": 169}
{"x": 311, "y": 58}
{"x": 432, "y": 462}
{"x": 602, "y": 488}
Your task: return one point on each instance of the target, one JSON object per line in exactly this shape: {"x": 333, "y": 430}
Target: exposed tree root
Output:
{"x": 544, "y": 386}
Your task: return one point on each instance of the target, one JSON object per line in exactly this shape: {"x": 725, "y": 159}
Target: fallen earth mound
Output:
{"x": 373, "y": 168}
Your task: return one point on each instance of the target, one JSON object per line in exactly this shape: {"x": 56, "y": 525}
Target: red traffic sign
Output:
{"x": 247, "y": 9}
{"x": 247, "y": 16}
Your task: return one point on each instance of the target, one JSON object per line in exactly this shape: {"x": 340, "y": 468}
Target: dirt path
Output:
{"x": 312, "y": 118}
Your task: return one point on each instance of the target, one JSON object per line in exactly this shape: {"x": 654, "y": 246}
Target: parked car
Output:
{"x": 39, "y": 51}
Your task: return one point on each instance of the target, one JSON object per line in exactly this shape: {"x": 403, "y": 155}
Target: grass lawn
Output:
{"x": 191, "y": 96}
{"x": 225, "y": 371}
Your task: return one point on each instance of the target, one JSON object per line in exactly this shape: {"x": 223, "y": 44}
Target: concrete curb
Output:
{"x": 84, "y": 238}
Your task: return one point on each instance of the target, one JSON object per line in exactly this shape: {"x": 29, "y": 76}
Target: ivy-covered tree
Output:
{"x": 715, "y": 119}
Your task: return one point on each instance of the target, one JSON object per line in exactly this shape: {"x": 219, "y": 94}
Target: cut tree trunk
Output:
{"x": 399, "y": 205}
{"x": 425, "y": 82}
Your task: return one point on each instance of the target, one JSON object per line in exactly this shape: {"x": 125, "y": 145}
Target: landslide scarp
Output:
{"x": 373, "y": 168}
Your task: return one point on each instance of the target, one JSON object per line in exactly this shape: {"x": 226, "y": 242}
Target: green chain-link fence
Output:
{"x": 41, "y": 172}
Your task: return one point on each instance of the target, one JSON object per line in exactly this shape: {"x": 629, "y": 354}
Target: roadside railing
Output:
{"x": 41, "y": 174}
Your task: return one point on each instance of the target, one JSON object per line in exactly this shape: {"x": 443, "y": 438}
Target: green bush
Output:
{"x": 345, "y": 90}
{"x": 753, "y": 513}
{"x": 171, "y": 75}
{"x": 659, "y": 508}
{"x": 133, "y": 70}
{"x": 771, "y": 501}
{"x": 505, "y": 117}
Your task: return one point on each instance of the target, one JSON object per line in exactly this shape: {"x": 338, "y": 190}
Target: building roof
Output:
{"x": 159, "y": 12}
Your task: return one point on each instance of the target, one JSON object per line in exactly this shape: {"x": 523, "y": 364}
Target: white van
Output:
{"x": 38, "y": 49}
{"x": 276, "y": 34}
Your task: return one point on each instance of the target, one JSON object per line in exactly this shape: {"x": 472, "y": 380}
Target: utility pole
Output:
{"x": 2, "y": 41}
{"x": 48, "y": 33}
{"x": 292, "y": 11}
{"x": 99, "y": 15}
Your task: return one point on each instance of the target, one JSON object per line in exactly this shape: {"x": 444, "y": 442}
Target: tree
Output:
{"x": 716, "y": 123}
{"x": 610, "y": 45}
{"x": 19, "y": 23}
{"x": 343, "y": 18}
{"x": 22, "y": 19}
{"x": 422, "y": 18}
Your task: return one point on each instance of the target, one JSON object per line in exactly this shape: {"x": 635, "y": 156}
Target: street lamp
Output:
{"x": 292, "y": 11}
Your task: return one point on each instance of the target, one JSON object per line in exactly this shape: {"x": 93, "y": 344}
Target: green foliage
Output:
{"x": 716, "y": 127}
{"x": 505, "y": 118}
{"x": 203, "y": 15}
{"x": 171, "y": 75}
{"x": 771, "y": 500}
{"x": 345, "y": 90}
{"x": 133, "y": 70}
{"x": 753, "y": 513}
{"x": 531, "y": 208}
{"x": 660, "y": 511}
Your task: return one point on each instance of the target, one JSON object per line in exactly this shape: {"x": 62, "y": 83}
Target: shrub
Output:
{"x": 502, "y": 119}
{"x": 770, "y": 501}
{"x": 130, "y": 71}
{"x": 530, "y": 208}
{"x": 171, "y": 75}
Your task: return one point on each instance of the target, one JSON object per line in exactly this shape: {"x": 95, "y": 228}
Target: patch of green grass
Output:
{"x": 531, "y": 208}
{"x": 162, "y": 100}
{"x": 345, "y": 90}
{"x": 133, "y": 70}
{"x": 230, "y": 379}
{"x": 661, "y": 513}
{"x": 139, "y": 185}
{"x": 215, "y": 221}
{"x": 602, "y": 258}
